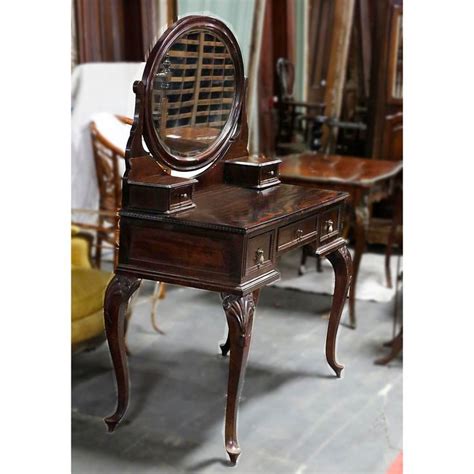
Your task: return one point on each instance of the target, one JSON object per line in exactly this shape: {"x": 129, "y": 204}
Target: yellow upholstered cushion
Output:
{"x": 79, "y": 250}
{"x": 87, "y": 328}
{"x": 87, "y": 291}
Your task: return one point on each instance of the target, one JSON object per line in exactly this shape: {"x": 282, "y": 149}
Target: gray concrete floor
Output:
{"x": 295, "y": 416}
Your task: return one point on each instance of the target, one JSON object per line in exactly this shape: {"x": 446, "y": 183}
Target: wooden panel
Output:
{"x": 115, "y": 30}
{"x": 174, "y": 249}
{"x": 293, "y": 234}
{"x": 261, "y": 243}
{"x": 330, "y": 224}
{"x": 386, "y": 73}
{"x": 393, "y": 138}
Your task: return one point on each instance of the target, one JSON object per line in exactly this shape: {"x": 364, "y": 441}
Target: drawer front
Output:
{"x": 293, "y": 234}
{"x": 330, "y": 224}
{"x": 181, "y": 196}
{"x": 259, "y": 252}
{"x": 269, "y": 173}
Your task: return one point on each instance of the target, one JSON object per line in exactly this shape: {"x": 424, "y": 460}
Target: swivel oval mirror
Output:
{"x": 194, "y": 91}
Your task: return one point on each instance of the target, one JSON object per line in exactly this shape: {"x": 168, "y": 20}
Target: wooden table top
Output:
{"x": 235, "y": 207}
{"x": 318, "y": 168}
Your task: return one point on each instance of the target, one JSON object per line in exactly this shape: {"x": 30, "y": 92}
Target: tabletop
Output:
{"x": 245, "y": 209}
{"x": 355, "y": 171}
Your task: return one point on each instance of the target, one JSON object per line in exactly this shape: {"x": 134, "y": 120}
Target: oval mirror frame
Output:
{"x": 217, "y": 149}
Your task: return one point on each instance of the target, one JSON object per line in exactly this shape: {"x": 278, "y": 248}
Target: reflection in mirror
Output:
{"x": 193, "y": 93}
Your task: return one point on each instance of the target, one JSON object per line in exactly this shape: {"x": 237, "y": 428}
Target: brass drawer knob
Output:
{"x": 299, "y": 233}
{"x": 329, "y": 226}
{"x": 259, "y": 257}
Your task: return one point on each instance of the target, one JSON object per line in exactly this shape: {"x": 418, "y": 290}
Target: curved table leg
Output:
{"x": 226, "y": 346}
{"x": 118, "y": 293}
{"x": 396, "y": 347}
{"x": 239, "y": 312}
{"x": 341, "y": 261}
{"x": 360, "y": 225}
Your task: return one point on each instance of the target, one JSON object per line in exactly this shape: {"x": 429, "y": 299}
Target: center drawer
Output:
{"x": 292, "y": 234}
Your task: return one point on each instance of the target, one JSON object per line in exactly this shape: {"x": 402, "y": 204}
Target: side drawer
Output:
{"x": 330, "y": 224}
{"x": 293, "y": 234}
{"x": 259, "y": 252}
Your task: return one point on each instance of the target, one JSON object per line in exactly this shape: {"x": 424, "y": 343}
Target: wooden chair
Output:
{"x": 107, "y": 158}
{"x": 299, "y": 123}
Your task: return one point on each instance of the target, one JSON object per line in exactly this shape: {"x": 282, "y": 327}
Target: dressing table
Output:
{"x": 198, "y": 211}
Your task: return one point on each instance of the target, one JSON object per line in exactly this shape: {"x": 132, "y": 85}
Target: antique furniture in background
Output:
{"x": 300, "y": 124}
{"x": 295, "y": 118}
{"x": 367, "y": 181}
{"x": 198, "y": 211}
{"x": 87, "y": 292}
{"x": 396, "y": 344}
{"x": 107, "y": 158}
{"x": 88, "y": 285}
{"x": 118, "y": 30}
{"x": 109, "y": 165}
{"x": 396, "y": 238}
{"x": 386, "y": 105}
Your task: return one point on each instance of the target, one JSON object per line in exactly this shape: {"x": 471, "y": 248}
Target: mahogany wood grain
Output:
{"x": 118, "y": 293}
{"x": 227, "y": 243}
{"x": 366, "y": 180}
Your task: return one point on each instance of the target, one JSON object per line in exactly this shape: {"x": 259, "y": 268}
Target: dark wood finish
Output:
{"x": 366, "y": 180}
{"x": 228, "y": 242}
{"x": 162, "y": 194}
{"x": 392, "y": 146}
{"x": 341, "y": 261}
{"x": 299, "y": 123}
{"x": 239, "y": 312}
{"x": 118, "y": 293}
{"x": 115, "y": 30}
{"x": 256, "y": 171}
{"x": 396, "y": 346}
{"x": 386, "y": 73}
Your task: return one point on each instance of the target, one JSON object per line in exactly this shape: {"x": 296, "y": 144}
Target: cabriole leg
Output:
{"x": 226, "y": 346}
{"x": 239, "y": 312}
{"x": 341, "y": 262}
{"x": 118, "y": 293}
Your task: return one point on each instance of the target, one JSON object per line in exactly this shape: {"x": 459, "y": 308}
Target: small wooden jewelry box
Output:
{"x": 253, "y": 171}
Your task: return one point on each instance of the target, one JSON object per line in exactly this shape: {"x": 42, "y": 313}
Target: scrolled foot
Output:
{"x": 338, "y": 370}
{"x": 111, "y": 422}
{"x": 233, "y": 451}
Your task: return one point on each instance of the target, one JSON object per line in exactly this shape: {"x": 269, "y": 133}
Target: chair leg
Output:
{"x": 304, "y": 256}
{"x": 158, "y": 294}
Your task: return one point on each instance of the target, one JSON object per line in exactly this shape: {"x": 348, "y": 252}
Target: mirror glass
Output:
{"x": 193, "y": 93}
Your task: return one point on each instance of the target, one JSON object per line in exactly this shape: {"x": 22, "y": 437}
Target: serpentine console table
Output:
{"x": 198, "y": 211}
